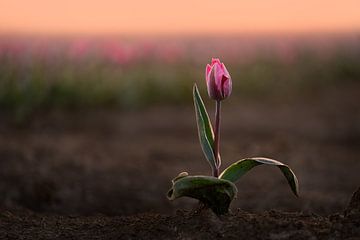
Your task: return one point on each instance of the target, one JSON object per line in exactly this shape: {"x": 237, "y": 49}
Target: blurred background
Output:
{"x": 96, "y": 111}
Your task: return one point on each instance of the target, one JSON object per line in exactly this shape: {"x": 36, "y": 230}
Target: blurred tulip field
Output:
{"x": 42, "y": 73}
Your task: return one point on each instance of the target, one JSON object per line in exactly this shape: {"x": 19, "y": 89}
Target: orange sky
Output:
{"x": 186, "y": 16}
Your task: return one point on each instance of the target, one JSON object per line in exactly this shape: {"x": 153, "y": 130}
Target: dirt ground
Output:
{"x": 183, "y": 225}
{"x": 104, "y": 174}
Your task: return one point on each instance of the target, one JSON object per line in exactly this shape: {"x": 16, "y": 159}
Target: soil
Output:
{"x": 104, "y": 174}
{"x": 196, "y": 224}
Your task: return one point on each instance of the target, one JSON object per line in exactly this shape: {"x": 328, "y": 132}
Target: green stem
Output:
{"x": 217, "y": 138}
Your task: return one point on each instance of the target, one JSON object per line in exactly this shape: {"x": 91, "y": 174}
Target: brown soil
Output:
{"x": 59, "y": 171}
{"x": 182, "y": 225}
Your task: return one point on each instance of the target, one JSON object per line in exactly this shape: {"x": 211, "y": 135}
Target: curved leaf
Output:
{"x": 215, "y": 193}
{"x": 236, "y": 170}
{"x": 206, "y": 133}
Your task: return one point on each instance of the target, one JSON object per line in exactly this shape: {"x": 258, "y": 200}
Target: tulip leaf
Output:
{"x": 235, "y": 171}
{"x": 215, "y": 193}
{"x": 206, "y": 133}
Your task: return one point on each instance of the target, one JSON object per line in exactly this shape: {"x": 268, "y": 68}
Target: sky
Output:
{"x": 178, "y": 17}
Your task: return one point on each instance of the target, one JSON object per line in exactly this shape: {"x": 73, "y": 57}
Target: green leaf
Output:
{"x": 215, "y": 193}
{"x": 236, "y": 170}
{"x": 206, "y": 133}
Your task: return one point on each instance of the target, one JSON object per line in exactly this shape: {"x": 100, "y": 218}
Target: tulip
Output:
{"x": 219, "y": 87}
{"x": 218, "y": 80}
{"x": 218, "y": 191}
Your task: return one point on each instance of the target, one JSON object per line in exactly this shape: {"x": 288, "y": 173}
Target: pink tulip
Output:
{"x": 218, "y": 80}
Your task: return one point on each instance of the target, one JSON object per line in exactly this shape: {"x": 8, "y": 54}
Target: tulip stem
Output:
{"x": 217, "y": 138}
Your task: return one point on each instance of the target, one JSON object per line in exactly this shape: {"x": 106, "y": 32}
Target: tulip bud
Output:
{"x": 218, "y": 80}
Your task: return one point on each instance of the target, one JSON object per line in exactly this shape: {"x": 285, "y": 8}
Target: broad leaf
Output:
{"x": 215, "y": 193}
{"x": 235, "y": 171}
{"x": 206, "y": 133}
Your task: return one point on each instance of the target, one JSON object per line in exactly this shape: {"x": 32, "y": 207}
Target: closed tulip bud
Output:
{"x": 218, "y": 80}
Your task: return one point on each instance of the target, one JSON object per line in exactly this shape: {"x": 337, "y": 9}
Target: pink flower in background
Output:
{"x": 170, "y": 53}
{"x": 16, "y": 50}
{"x": 218, "y": 80}
{"x": 78, "y": 49}
{"x": 119, "y": 53}
{"x": 286, "y": 53}
{"x": 2, "y": 49}
{"x": 145, "y": 50}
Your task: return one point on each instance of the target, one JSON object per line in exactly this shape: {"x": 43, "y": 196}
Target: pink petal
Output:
{"x": 218, "y": 73}
{"x": 208, "y": 69}
{"x": 226, "y": 73}
{"x": 211, "y": 85}
{"x": 214, "y": 61}
{"x": 227, "y": 87}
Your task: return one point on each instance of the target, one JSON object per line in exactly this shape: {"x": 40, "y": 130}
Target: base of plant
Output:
{"x": 217, "y": 193}
{"x": 214, "y": 193}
